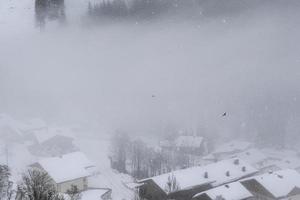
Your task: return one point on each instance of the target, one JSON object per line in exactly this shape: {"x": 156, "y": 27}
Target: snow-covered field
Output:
{"x": 97, "y": 150}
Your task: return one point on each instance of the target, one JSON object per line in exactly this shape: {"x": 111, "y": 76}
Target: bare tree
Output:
{"x": 37, "y": 185}
{"x": 138, "y": 155}
{"x": 172, "y": 184}
{"x": 119, "y": 149}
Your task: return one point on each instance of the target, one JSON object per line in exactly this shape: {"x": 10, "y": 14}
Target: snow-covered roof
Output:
{"x": 188, "y": 141}
{"x": 67, "y": 167}
{"x": 291, "y": 162}
{"x": 253, "y": 156}
{"x": 231, "y": 191}
{"x": 235, "y": 145}
{"x": 209, "y": 157}
{"x": 93, "y": 194}
{"x": 279, "y": 153}
{"x": 217, "y": 173}
{"x": 282, "y": 158}
{"x": 279, "y": 183}
{"x": 133, "y": 185}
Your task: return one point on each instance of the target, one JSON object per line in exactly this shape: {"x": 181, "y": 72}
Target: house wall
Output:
{"x": 81, "y": 183}
{"x": 257, "y": 190}
{"x": 151, "y": 191}
{"x": 188, "y": 194}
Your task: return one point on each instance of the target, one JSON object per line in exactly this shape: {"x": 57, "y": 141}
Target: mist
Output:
{"x": 177, "y": 70}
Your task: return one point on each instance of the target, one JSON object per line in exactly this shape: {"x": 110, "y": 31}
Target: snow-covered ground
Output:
{"x": 17, "y": 156}
{"x": 97, "y": 150}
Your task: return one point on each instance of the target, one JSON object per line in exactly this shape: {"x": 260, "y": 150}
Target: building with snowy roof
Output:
{"x": 193, "y": 180}
{"x": 274, "y": 185}
{"x": 231, "y": 191}
{"x": 257, "y": 159}
{"x": 67, "y": 170}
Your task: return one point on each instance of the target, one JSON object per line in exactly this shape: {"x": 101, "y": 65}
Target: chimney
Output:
{"x": 243, "y": 168}
{"x": 205, "y": 174}
{"x": 236, "y": 161}
{"x": 227, "y": 173}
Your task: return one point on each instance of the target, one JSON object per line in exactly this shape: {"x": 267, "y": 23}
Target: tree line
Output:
{"x": 135, "y": 157}
{"x": 49, "y": 10}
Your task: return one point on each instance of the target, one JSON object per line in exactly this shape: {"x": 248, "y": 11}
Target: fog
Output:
{"x": 175, "y": 71}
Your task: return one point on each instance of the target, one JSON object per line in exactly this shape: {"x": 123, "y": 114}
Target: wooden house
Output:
{"x": 231, "y": 191}
{"x": 281, "y": 184}
{"x": 184, "y": 184}
{"x": 67, "y": 170}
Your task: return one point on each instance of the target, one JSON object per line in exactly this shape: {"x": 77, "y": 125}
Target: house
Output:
{"x": 279, "y": 159}
{"x": 231, "y": 191}
{"x": 96, "y": 194}
{"x": 194, "y": 180}
{"x": 257, "y": 159}
{"x": 274, "y": 185}
{"x": 67, "y": 170}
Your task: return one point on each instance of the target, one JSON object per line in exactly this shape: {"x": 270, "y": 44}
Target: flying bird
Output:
{"x": 224, "y": 114}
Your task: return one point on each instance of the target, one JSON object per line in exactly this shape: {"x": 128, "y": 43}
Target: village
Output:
{"x": 149, "y": 100}
{"x": 181, "y": 168}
